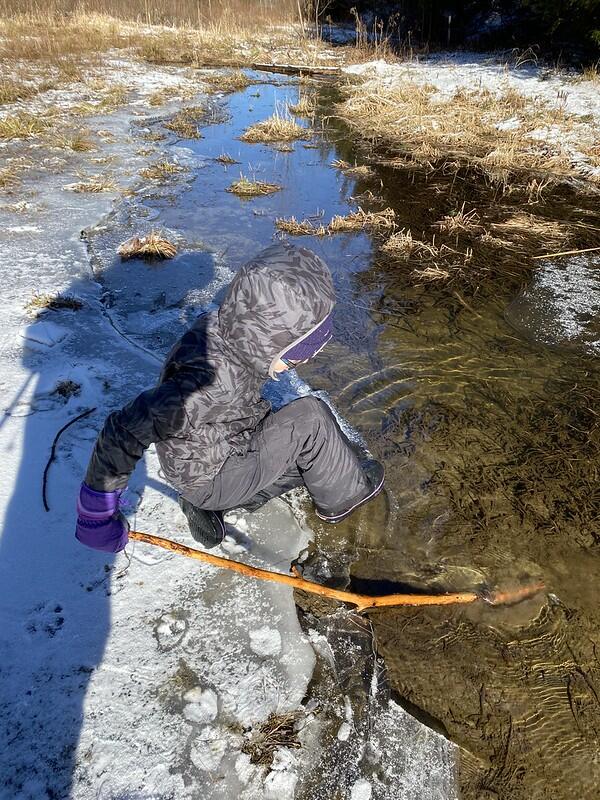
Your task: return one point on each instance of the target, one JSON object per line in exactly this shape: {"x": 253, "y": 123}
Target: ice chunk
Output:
{"x": 265, "y": 641}
{"x": 344, "y": 731}
{"x": 280, "y": 785}
{"x": 202, "y": 706}
{"x": 361, "y": 790}
{"x": 208, "y": 749}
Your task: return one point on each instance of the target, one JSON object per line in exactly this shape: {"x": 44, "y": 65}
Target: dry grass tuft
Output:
{"x": 8, "y": 177}
{"x": 67, "y": 389}
{"x": 41, "y": 303}
{"x": 360, "y": 220}
{"x": 225, "y": 158}
{"x": 526, "y": 231}
{"x": 153, "y": 136}
{"x": 305, "y": 107}
{"x": 247, "y": 188}
{"x": 356, "y": 171}
{"x": 279, "y": 730}
{"x": 402, "y": 245}
{"x": 442, "y": 262}
{"x": 154, "y": 245}
{"x": 95, "y": 185}
{"x": 162, "y": 170}
{"x": 160, "y": 97}
{"x": 185, "y": 122}
{"x": 79, "y": 141}
{"x": 277, "y": 128}
{"x": 461, "y": 221}
{"x": 299, "y": 227}
{"x": 11, "y": 91}
{"x": 226, "y": 82}
{"x": 284, "y": 147}
{"x": 22, "y": 126}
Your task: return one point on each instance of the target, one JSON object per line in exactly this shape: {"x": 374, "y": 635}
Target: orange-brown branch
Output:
{"x": 361, "y": 601}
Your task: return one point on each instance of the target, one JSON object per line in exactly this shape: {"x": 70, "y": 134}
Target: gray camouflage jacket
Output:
{"x": 208, "y": 399}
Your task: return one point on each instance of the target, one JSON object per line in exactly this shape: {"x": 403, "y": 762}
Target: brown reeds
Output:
{"x": 425, "y": 129}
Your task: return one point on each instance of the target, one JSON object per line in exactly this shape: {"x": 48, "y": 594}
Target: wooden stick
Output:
{"x": 568, "y": 252}
{"x": 361, "y": 601}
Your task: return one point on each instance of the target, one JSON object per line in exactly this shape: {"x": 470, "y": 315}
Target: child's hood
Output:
{"x": 273, "y": 301}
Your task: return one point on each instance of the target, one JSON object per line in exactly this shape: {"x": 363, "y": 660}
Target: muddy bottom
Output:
{"x": 490, "y": 438}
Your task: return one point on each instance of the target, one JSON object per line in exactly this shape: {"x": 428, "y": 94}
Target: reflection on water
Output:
{"x": 490, "y": 442}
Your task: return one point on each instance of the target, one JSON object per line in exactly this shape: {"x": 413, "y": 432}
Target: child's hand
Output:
{"x": 100, "y": 524}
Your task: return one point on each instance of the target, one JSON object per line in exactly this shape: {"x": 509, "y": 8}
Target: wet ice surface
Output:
{"x": 139, "y": 675}
{"x": 561, "y": 306}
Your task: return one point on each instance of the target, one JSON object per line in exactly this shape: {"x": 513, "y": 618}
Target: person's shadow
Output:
{"x": 56, "y": 594}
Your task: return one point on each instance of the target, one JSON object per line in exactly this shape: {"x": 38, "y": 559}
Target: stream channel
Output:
{"x": 486, "y": 429}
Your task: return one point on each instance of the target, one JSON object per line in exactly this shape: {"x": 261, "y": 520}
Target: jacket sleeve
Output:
{"x": 153, "y": 416}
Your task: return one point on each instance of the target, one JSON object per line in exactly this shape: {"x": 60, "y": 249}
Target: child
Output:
{"x": 217, "y": 440}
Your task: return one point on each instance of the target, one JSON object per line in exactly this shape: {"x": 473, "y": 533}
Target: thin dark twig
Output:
{"x": 53, "y": 453}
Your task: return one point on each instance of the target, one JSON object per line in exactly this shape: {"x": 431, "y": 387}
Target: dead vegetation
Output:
{"x": 277, "y": 128}
{"x": 11, "y": 91}
{"x": 461, "y": 222}
{"x": 360, "y": 220}
{"x": 94, "y": 185}
{"x": 22, "y": 125}
{"x": 227, "y": 82}
{"x": 153, "y": 245}
{"x": 304, "y": 107}
{"x": 421, "y": 128}
{"x": 226, "y": 159}
{"x": 185, "y": 122}
{"x": 161, "y": 171}
{"x": 353, "y": 171}
{"x": 41, "y": 303}
{"x": 79, "y": 141}
{"x": 279, "y": 730}
{"x": 244, "y": 187}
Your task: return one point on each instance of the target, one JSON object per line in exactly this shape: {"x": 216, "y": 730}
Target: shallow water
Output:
{"x": 490, "y": 440}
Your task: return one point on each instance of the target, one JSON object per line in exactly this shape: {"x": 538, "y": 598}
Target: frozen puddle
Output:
{"x": 145, "y": 675}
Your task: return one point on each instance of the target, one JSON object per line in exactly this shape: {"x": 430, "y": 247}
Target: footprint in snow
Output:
{"x": 46, "y": 618}
{"x": 169, "y": 631}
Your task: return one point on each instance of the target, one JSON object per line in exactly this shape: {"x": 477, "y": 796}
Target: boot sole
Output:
{"x": 339, "y": 517}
